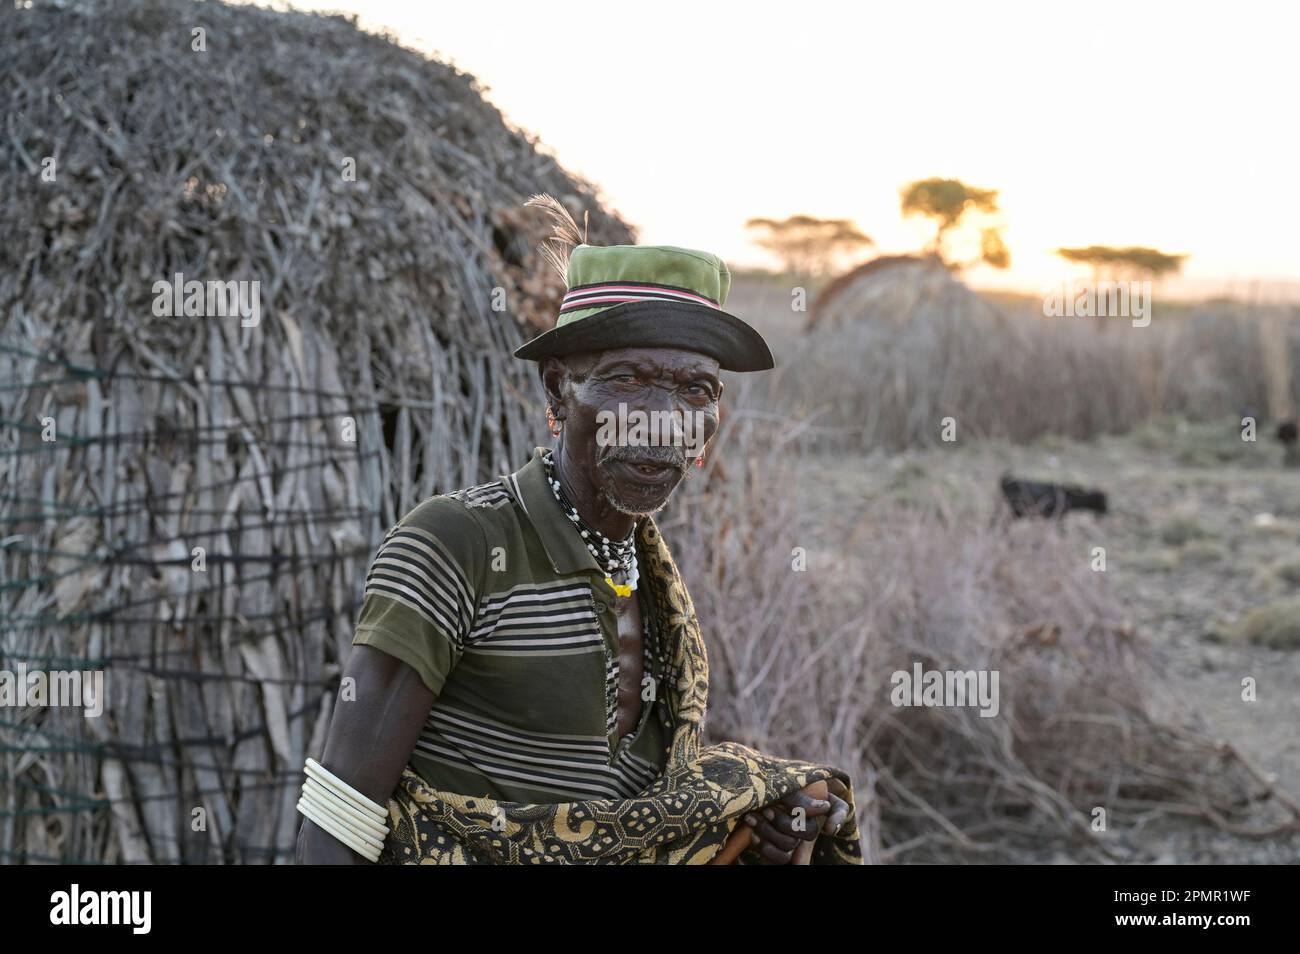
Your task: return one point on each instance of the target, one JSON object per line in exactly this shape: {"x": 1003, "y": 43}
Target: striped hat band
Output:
{"x": 604, "y": 294}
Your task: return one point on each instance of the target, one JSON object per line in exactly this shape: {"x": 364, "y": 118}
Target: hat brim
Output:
{"x": 658, "y": 324}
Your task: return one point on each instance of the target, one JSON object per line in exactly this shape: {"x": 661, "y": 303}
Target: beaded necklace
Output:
{"x": 611, "y": 555}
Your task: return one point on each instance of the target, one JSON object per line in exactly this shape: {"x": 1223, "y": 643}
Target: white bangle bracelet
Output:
{"x": 369, "y": 852}
{"x": 360, "y": 820}
{"x": 344, "y": 813}
{"x": 339, "y": 787}
{"x": 369, "y": 836}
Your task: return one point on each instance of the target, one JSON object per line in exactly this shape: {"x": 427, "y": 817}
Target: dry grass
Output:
{"x": 1275, "y": 626}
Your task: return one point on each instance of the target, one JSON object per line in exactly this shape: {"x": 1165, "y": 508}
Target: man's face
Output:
{"x": 635, "y": 419}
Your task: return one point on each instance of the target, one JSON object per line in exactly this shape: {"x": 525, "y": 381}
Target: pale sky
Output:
{"x": 1173, "y": 125}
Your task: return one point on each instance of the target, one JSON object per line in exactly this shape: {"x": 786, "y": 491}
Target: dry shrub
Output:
{"x": 802, "y": 664}
{"x": 908, "y": 344}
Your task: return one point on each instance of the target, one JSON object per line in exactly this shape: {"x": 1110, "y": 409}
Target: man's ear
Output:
{"x": 552, "y": 371}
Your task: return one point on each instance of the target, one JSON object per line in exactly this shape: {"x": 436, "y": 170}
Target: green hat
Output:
{"x": 623, "y": 296}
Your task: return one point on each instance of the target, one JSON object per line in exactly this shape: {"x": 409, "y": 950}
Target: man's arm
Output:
{"x": 370, "y": 740}
{"x": 417, "y": 612}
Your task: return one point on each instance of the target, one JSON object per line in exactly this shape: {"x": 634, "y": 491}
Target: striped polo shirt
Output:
{"x": 490, "y": 594}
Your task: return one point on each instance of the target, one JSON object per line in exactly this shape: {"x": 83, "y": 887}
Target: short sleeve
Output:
{"x": 421, "y": 591}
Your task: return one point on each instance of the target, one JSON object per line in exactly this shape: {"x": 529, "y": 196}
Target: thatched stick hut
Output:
{"x": 190, "y": 501}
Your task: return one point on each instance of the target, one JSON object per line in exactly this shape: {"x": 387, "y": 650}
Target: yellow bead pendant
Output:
{"x": 622, "y": 589}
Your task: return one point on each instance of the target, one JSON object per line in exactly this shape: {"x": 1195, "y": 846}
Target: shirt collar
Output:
{"x": 567, "y": 552}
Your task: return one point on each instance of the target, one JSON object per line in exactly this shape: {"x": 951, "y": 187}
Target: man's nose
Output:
{"x": 663, "y": 410}
{"x": 658, "y": 398}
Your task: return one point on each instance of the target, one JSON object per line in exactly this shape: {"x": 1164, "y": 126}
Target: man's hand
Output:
{"x": 783, "y": 833}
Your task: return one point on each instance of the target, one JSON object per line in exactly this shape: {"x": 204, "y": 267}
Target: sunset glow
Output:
{"x": 1168, "y": 125}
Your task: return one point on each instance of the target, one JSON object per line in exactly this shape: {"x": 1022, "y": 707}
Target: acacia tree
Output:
{"x": 1112, "y": 262}
{"x": 948, "y": 202}
{"x": 808, "y": 246}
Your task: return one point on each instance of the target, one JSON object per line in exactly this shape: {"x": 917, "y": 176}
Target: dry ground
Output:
{"x": 1204, "y": 529}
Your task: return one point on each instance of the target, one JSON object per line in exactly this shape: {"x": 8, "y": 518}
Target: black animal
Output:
{"x": 1286, "y": 433}
{"x": 1029, "y": 498}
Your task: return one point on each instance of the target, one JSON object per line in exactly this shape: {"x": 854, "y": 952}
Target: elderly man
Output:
{"x": 529, "y": 682}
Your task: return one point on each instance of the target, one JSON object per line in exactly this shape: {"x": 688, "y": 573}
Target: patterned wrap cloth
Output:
{"x": 683, "y": 818}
